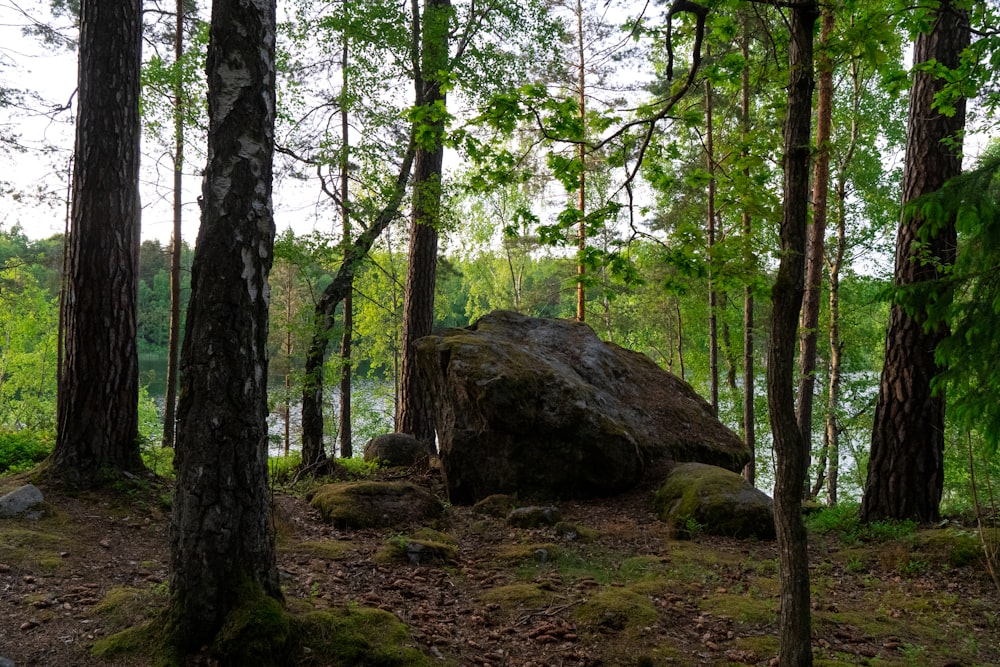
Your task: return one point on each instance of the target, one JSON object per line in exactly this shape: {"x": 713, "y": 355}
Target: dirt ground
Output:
{"x": 622, "y": 593}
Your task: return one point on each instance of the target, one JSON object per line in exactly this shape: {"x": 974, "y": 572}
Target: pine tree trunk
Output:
{"x": 808, "y": 330}
{"x": 905, "y": 470}
{"x": 415, "y": 412}
{"x": 99, "y": 384}
{"x": 222, "y": 546}
{"x": 786, "y": 300}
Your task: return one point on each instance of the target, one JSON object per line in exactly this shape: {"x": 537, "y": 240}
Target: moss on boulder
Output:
{"x": 375, "y": 504}
{"x": 697, "y": 497}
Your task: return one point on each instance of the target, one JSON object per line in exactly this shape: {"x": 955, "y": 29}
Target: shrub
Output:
{"x": 22, "y": 449}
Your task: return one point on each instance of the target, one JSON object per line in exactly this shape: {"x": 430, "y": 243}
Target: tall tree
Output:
{"x": 815, "y": 244}
{"x": 348, "y": 333}
{"x": 222, "y": 547}
{"x": 173, "y": 341}
{"x": 430, "y": 66}
{"x": 786, "y": 300}
{"x": 905, "y": 470}
{"x": 99, "y": 383}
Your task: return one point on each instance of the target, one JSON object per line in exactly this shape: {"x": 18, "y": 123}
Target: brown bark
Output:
{"x": 786, "y": 298}
{"x": 415, "y": 413}
{"x": 808, "y": 334}
{"x": 173, "y": 340}
{"x": 905, "y": 473}
{"x": 222, "y": 547}
{"x": 99, "y": 384}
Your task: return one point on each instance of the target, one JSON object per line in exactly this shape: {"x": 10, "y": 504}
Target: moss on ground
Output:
{"x": 518, "y": 595}
{"x": 27, "y": 546}
{"x": 615, "y": 610}
{"x": 262, "y": 632}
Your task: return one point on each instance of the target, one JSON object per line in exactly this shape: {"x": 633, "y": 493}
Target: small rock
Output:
{"x": 20, "y": 500}
{"x": 105, "y": 544}
{"x": 28, "y": 625}
{"x": 6, "y": 662}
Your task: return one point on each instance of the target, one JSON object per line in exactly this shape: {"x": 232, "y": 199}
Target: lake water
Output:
{"x": 372, "y": 407}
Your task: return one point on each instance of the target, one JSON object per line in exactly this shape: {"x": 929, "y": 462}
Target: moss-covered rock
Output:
{"x": 534, "y": 516}
{"x": 375, "y": 504}
{"x": 425, "y": 547}
{"x": 696, "y": 497}
{"x": 543, "y": 408}
{"x": 497, "y": 505}
{"x": 395, "y": 450}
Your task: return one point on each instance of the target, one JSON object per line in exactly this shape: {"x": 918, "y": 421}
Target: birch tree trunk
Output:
{"x": 222, "y": 546}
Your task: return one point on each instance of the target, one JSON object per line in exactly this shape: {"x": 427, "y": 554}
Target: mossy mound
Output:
{"x": 615, "y": 610}
{"x": 263, "y": 633}
{"x": 425, "y": 547}
{"x": 375, "y": 504}
{"x": 701, "y": 498}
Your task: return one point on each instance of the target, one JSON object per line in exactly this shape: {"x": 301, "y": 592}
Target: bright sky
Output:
{"x": 42, "y": 169}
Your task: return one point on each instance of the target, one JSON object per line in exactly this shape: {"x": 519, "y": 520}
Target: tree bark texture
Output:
{"x": 99, "y": 384}
{"x": 415, "y": 413}
{"x": 786, "y": 300}
{"x": 905, "y": 471}
{"x": 222, "y": 545}
{"x": 808, "y": 330}
{"x": 313, "y": 452}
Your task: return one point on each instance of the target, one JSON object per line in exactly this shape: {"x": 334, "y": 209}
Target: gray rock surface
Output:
{"x": 20, "y": 501}
{"x": 544, "y": 408}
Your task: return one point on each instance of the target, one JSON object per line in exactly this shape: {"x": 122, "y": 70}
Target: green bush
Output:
{"x": 20, "y": 450}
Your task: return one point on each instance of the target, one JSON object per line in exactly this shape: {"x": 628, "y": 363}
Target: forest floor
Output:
{"x": 624, "y": 593}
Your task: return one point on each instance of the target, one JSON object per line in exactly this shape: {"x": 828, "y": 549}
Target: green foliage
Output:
{"x": 20, "y": 450}
{"x": 28, "y": 355}
{"x": 968, "y": 298}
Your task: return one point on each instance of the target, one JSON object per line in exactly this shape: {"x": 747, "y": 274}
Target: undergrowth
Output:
{"x": 844, "y": 520}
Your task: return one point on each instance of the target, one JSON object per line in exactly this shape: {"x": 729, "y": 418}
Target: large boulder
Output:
{"x": 703, "y": 498}
{"x": 544, "y": 408}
